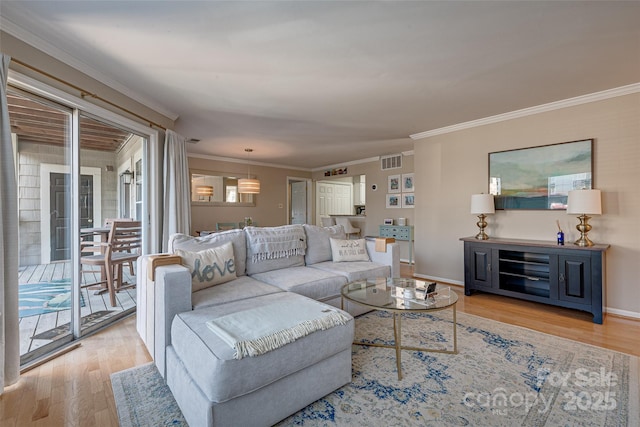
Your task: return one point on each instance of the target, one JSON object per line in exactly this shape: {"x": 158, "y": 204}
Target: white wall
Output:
{"x": 455, "y": 165}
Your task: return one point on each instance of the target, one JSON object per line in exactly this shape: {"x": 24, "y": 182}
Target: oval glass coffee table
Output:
{"x": 399, "y": 296}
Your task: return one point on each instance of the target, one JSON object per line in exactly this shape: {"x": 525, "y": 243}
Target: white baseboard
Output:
{"x": 440, "y": 279}
{"x": 624, "y": 313}
{"x": 610, "y": 310}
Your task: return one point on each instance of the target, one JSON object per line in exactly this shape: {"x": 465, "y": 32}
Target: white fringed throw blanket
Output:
{"x": 262, "y": 329}
{"x": 276, "y": 242}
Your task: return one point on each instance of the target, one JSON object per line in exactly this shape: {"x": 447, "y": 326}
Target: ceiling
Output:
{"x": 38, "y": 123}
{"x": 315, "y": 83}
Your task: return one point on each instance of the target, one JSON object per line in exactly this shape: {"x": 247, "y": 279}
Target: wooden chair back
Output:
{"x": 124, "y": 237}
{"x": 109, "y": 221}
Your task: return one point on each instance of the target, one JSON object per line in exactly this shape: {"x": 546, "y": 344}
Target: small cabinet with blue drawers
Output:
{"x": 399, "y": 232}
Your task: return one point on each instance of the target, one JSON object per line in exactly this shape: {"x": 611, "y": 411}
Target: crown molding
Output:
{"x": 351, "y": 163}
{"x": 557, "y": 105}
{"x": 44, "y": 46}
{"x": 358, "y": 162}
{"x": 275, "y": 165}
{"x": 245, "y": 162}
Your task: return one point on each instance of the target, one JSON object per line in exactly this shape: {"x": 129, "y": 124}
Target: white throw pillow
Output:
{"x": 209, "y": 267}
{"x": 349, "y": 250}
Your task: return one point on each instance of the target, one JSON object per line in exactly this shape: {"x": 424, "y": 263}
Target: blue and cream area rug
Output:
{"x": 503, "y": 375}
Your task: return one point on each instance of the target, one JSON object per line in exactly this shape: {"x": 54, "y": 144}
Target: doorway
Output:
{"x": 298, "y": 200}
{"x": 54, "y": 216}
{"x": 60, "y": 199}
{"x": 65, "y": 165}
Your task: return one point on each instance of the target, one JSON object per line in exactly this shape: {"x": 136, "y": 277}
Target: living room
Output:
{"x": 449, "y": 163}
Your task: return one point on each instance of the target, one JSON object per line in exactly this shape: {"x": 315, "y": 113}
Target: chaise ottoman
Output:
{"x": 213, "y": 388}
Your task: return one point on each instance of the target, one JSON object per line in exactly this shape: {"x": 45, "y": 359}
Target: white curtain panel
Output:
{"x": 155, "y": 175}
{"x": 9, "y": 329}
{"x": 177, "y": 198}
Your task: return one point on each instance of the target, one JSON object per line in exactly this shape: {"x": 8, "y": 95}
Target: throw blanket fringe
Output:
{"x": 276, "y": 242}
{"x": 262, "y": 329}
{"x": 265, "y": 344}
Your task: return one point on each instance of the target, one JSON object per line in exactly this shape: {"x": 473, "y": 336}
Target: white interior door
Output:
{"x": 324, "y": 200}
{"x": 298, "y": 214}
{"x": 343, "y": 199}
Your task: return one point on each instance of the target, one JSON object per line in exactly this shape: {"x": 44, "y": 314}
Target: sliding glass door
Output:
{"x": 42, "y": 136}
{"x": 77, "y": 173}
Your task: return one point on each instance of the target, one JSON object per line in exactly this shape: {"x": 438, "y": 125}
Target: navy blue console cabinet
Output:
{"x": 567, "y": 276}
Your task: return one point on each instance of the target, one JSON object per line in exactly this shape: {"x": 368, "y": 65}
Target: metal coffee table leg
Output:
{"x": 397, "y": 335}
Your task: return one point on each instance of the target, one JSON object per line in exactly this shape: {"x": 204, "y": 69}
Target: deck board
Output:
{"x": 93, "y": 302}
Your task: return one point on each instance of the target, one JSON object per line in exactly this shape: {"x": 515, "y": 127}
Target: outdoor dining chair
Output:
{"x": 107, "y": 223}
{"x": 123, "y": 246}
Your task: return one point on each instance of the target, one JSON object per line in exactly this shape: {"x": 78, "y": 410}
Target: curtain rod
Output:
{"x": 85, "y": 93}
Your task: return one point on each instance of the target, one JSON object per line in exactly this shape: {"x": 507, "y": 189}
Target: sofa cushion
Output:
{"x": 197, "y": 244}
{"x": 241, "y": 288}
{"x": 209, "y": 267}
{"x": 310, "y": 282}
{"x": 262, "y": 265}
{"x": 318, "y": 245}
{"x": 210, "y": 362}
{"x": 356, "y": 270}
{"x": 349, "y": 250}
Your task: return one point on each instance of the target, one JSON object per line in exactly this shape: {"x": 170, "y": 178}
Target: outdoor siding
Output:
{"x": 30, "y": 157}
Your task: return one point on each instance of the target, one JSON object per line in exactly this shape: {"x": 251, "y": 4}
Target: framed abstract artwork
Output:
{"x": 393, "y": 185}
{"x": 393, "y": 201}
{"x": 408, "y": 200}
{"x": 407, "y": 182}
{"x": 540, "y": 177}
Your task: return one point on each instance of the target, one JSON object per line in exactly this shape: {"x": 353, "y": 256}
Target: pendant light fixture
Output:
{"x": 248, "y": 185}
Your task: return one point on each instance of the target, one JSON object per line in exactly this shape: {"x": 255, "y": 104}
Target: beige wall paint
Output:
{"x": 375, "y": 200}
{"x": 273, "y": 194}
{"x": 455, "y": 165}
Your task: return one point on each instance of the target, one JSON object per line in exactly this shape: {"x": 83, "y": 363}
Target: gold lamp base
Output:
{"x": 482, "y": 224}
{"x": 583, "y": 228}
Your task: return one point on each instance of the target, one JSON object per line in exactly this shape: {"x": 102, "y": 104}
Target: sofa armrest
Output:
{"x": 158, "y": 303}
{"x": 391, "y": 257}
{"x": 172, "y": 296}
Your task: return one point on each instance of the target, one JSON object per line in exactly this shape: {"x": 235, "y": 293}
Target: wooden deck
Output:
{"x": 39, "y": 330}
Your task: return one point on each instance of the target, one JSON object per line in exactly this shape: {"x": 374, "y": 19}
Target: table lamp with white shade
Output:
{"x": 481, "y": 205}
{"x": 584, "y": 202}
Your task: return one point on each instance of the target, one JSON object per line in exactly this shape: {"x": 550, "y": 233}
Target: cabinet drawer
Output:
{"x": 400, "y": 235}
{"x": 397, "y": 232}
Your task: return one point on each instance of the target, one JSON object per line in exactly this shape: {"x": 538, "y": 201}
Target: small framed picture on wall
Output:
{"x": 393, "y": 200}
{"x": 393, "y": 184}
{"x": 408, "y": 200}
{"x": 407, "y": 183}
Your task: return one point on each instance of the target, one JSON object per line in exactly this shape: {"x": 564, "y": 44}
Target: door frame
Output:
{"x": 152, "y": 152}
{"x": 45, "y": 199}
{"x": 309, "y": 187}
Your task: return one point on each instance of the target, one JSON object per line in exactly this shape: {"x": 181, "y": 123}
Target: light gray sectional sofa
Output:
{"x": 211, "y": 385}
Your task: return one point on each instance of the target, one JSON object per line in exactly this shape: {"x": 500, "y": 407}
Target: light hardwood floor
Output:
{"x": 75, "y": 390}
